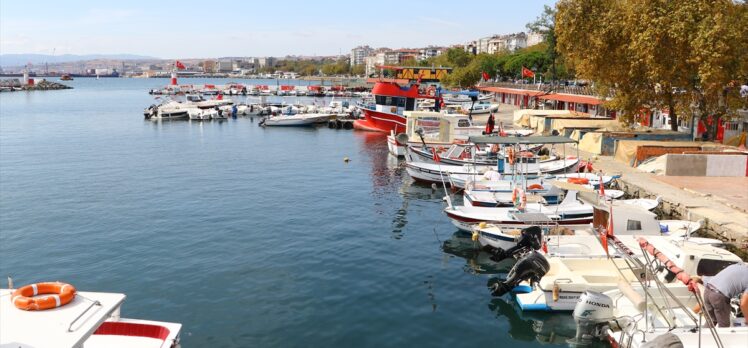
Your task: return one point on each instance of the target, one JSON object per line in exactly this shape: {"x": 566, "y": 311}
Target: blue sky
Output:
{"x": 195, "y": 29}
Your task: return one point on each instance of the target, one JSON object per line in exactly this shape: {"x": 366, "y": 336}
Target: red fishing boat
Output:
{"x": 394, "y": 96}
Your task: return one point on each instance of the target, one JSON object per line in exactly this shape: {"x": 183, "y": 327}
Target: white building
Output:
{"x": 376, "y": 59}
{"x": 534, "y": 38}
{"x": 359, "y": 54}
{"x": 266, "y": 62}
{"x": 223, "y": 66}
{"x": 430, "y": 51}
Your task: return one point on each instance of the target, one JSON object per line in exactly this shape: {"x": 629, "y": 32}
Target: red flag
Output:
{"x": 527, "y": 72}
{"x": 180, "y": 66}
{"x": 485, "y": 75}
{"x": 610, "y": 220}
{"x": 436, "y": 155}
{"x": 501, "y": 129}
{"x": 602, "y": 187}
{"x": 220, "y": 96}
{"x": 545, "y": 247}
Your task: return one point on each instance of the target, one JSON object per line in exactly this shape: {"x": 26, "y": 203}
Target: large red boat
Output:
{"x": 393, "y": 97}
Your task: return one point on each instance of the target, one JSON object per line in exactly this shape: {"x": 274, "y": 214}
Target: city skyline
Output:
{"x": 245, "y": 29}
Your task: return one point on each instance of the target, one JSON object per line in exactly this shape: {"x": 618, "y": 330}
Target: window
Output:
{"x": 633, "y": 225}
{"x": 463, "y": 123}
{"x": 708, "y": 267}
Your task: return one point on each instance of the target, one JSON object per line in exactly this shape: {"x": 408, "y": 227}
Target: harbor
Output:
{"x": 580, "y": 183}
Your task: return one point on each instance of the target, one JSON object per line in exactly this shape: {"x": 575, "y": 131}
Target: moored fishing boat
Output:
{"x": 75, "y": 319}
{"x": 297, "y": 120}
{"x": 570, "y": 213}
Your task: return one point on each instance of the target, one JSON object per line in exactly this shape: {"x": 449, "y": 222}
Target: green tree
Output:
{"x": 358, "y": 70}
{"x": 684, "y": 58}
{"x": 545, "y": 25}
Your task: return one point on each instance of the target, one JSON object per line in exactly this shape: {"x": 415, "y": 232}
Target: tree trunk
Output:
{"x": 671, "y": 112}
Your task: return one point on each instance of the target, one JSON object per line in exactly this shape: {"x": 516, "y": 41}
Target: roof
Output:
{"x": 573, "y": 98}
{"x": 378, "y": 79}
{"x": 488, "y": 139}
{"x": 21, "y": 328}
{"x": 512, "y": 91}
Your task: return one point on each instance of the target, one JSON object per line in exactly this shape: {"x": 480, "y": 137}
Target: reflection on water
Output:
{"x": 477, "y": 261}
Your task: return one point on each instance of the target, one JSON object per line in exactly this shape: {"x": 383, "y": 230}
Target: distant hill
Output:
{"x": 23, "y": 58}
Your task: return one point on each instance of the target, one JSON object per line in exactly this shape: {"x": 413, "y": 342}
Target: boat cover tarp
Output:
{"x": 626, "y": 149}
{"x": 570, "y": 187}
{"x": 592, "y": 142}
{"x": 561, "y": 124}
{"x": 487, "y": 139}
{"x": 522, "y": 117}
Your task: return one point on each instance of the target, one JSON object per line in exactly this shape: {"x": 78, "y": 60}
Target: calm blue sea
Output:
{"x": 247, "y": 236}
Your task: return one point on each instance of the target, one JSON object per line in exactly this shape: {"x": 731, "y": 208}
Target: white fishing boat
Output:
{"x": 571, "y": 212}
{"x": 89, "y": 319}
{"x": 169, "y": 110}
{"x": 572, "y": 272}
{"x": 576, "y": 259}
{"x": 296, "y": 120}
{"x": 251, "y": 109}
{"x": 431, "y": 129}
{"x": 644, "y": 203}
{"x": 202, "y": 114}
{"x": 657, "y": 311}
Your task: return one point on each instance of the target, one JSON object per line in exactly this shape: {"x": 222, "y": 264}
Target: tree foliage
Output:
{"x": 680, "y": 55}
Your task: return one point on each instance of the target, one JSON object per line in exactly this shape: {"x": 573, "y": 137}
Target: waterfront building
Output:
{"x": 359, "y": 54}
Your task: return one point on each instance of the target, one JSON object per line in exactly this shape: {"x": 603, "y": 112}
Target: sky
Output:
{"x": 196, "y": 29}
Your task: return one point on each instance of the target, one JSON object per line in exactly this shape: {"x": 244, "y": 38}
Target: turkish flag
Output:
{"x": 436, "y": 155}
{"x": 485, "y": 75}
{"x": 527, "y": 72}
{"x": 180, "y": 66}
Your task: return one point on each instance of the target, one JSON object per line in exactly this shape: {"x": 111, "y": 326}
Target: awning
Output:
{"x": 512, "y": 91}
{"x": 487, "y": 139}
{"x": 573, "y": 98}
{"x": 377, "y": 79}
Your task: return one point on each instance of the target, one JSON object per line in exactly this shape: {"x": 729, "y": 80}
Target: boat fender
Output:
{"x": 475, "y": 236}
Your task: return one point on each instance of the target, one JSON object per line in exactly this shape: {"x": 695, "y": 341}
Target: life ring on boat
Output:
{"x": 58, "y": 294}
{"x": 510, "y": 154}
{"x": 535, "y": 187}
{"x": 578, "y": 181}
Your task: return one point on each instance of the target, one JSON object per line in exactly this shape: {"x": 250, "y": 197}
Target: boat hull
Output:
{"x": 376, "y": 121}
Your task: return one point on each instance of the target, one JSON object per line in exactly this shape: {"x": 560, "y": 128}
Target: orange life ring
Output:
{"x": 535, "y": 187}
{"x": 579, "y": 181}
{"x": 58, "y": 294}
{"x": 526, "y": 154}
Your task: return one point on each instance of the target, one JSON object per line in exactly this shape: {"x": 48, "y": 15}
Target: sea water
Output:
{"x": 248, "y": 236}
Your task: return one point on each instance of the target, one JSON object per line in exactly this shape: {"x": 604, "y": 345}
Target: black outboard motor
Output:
{"x": 530, "y": 239}
{"x": 531, "y": 267}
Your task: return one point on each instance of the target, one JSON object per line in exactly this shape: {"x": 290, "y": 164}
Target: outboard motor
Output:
{"x": 530, "y": 239}
{"x": 532, "y": 267}
{"x": 593, "y": 315}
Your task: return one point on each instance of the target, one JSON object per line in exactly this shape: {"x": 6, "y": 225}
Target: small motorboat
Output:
{"x": 644, "y": 203}
{"x": 296, "y": 120}
{"x": 571, "y": 212}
